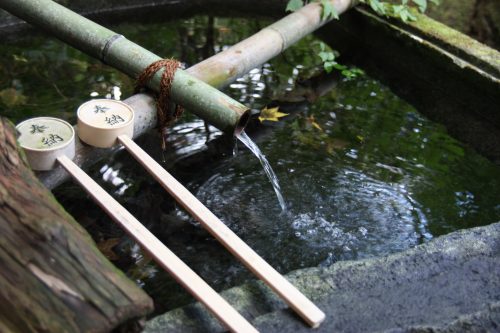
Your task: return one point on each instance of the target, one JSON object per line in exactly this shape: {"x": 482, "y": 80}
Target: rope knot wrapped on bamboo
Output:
{"x": 165, "y": 115}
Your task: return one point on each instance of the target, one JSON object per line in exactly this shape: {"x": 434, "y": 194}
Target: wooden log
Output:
{"x": 52, "y": 276}
{"x": 181, "y": 272}
{"x": 219, "y": 71}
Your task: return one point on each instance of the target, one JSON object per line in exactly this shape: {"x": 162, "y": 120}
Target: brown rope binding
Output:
{"x": 165, "y": 115}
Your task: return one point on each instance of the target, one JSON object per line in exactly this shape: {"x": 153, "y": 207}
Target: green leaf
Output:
{"x": 358, "y": 71}
{"x": 294, "y": 5}
{"x": 404, "y": 13}
{"x": 326, "y": 56}
{"x": 398, "y": 9}
{"x": 411, "y": 16}
{"x": 347, "y": 73}
{"x": 422, "y": 5}
{"x": 403, "y": 10}
{"x": 329, "y": 66}
{"x": 378, "y": 6}
{"x": 328, "y": 10}
{"x": 339, "y": 67}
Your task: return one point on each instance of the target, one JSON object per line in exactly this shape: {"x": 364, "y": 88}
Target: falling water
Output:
{"x": 243, "y": 137}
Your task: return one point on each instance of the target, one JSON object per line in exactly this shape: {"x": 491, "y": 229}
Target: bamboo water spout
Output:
{"x": 200, "y": 98}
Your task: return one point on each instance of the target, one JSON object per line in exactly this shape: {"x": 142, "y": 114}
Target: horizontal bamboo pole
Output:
{"x": 200, "y": 98}
{"x": 224, "y": 67}
{"x": 218, "y": 70}
{"x": 161, "y": 254}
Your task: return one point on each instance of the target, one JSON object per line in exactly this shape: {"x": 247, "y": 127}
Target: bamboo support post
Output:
{"x": 157, "y": 250}
{"x": 293, "y": 297}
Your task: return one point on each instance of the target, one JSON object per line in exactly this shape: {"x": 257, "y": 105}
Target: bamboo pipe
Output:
{"x": 292, "y": 296}
{"x": 214, "y": 71}
{"x": 224, "y": 67}
{"x": 200, "y": 98}
{"x": 181, "y": 272}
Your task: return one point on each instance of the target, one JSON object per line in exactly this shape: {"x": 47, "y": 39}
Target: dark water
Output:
{"x": 362, "y": 172}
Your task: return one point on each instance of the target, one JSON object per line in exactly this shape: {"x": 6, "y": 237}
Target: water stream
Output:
{"x": 245, "y": 139}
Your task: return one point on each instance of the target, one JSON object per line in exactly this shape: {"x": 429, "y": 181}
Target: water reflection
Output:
{"x": 191, "y": 136}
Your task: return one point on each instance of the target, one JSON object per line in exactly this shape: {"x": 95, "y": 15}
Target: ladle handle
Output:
{"x": 293, "y": 297}
{"x": 162, "y": 255}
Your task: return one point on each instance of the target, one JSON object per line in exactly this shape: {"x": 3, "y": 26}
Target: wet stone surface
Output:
{"x": 451, "y": 284}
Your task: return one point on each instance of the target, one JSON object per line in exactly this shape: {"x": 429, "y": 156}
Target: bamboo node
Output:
{"x": 107, "y": 46}
{"x": 165, "y": 114}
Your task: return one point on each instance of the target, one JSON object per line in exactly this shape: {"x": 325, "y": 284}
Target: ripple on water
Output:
{"x": 354, "y": 217}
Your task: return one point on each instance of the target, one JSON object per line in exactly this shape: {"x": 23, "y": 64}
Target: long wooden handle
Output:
{"x": 294, "y": 298}
{"x": 162, "y": 255}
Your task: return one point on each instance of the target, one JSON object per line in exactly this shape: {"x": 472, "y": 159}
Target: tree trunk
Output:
{"x": 52, "y": 277}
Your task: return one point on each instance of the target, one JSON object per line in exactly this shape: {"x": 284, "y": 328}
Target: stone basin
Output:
{"x": 452, "y": 283}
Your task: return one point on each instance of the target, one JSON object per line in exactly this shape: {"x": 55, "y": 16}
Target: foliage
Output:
{"x": 329, "y": 63}
{"x": 327, "y": 12}
{"x": 402, "y": 9}
{"x": 328, "y": 58}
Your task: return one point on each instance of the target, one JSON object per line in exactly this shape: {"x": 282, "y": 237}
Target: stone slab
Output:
{"x": 451, "y": 284}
